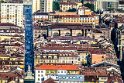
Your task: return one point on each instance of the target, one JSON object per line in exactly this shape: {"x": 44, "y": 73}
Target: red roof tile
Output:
{"x": 67, "y": 3}
{"x": 7, "y": 24}
{"x": 57, "y": 67}
{"x": 94, "y": 71}
{"x": 50, "y": 80}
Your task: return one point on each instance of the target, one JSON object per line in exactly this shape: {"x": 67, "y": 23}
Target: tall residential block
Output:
{"x": 29, "y": 51}
{"x": 36, "y": 5}
{"x": 47, "y": 5}
{"x": 105, "y": 4}
{"x": 12, "y": 13}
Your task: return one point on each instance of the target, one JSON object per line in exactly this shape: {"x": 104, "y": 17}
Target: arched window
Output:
{"x": 10, "y": 63}
{"x": 68, "y": 34}
{"x": 79, "y": 34}
{"x": 3, "y": 63}
{"x": 44, "y": 33}
{"x": 55, "y": 34}
{"x": 16, "y": 63}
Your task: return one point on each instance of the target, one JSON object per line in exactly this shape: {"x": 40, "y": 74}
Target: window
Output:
{"x": 79, "y": 34}
{"x": 10, "y": 63}
{"x": 56, "y": 34}
{"x": 38, "y": 79}
{"x": 67, "y": 34}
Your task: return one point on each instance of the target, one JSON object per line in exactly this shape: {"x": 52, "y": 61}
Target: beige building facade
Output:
{"x": 36, "y": 5}
{"x": 12, "y": 13}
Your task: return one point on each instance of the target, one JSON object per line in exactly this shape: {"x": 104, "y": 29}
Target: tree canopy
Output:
{"x": 72, "y": 10}
{"x": 1, "y": 1}
{"x": 90, "y": 6}
{"x": 82, "y": 1}
{"x": 56, "y": 6}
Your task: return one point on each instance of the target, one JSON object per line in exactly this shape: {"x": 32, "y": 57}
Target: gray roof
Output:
{"x": 73, "y": 78}
{"x": 104, "y": 63}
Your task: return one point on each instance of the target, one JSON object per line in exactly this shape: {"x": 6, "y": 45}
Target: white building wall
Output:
{"x": 121, "y": 6}
{"x": 39, "y": 74}
{"x": 36, "y": 5}
{"x": 48, "y": 5}
{"x": 80, "y": 12}
{"x": 63, "y": 72}
{"x": 12, "y": 13}
{"x": 99, "y": 4}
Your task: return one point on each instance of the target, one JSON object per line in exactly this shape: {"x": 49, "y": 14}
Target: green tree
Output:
{"x": 1, "y": 1}
{"x": 90, "y": 6}
{"x": 56, "y": 6}
{"x": 82, "y": 1}
{"x": 72, "y": 10}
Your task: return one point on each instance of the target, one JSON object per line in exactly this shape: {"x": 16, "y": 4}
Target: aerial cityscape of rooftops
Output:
{"x": 61, "y": 41}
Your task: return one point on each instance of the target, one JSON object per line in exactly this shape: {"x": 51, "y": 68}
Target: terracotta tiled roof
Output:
{"x": 69, "y": 38}
{"x": 67, "y": 3}
{"x": 50, "y": 80}
{"x": 63, "y": 54}
{"x": 64, "y": 13}
{"x": 97, "y": 51}
{"x": 7, "y": 75}
{"x": 57, "y": 67}
{"x": 72, "y": 16}
{"x": 55, "y": 64}
{"x": 68, "y": 45}
{"x": 84, "y": 47}
{"x": 94, "y": 71}
{"x": 114, "y": 78}
{"x": 71, "y": 26}
{"x": 40, "y": 13}
{"x": 119, "y": 18}
{"x": 68, "y": 16}
{"x": 7, "y": 24}
{"x": 64, "y": 48}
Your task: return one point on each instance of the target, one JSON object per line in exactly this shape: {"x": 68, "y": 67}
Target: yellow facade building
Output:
{"x": 36, "y": 5}
{"x": 65, "y": 6}
{"x": 82, "y": 16}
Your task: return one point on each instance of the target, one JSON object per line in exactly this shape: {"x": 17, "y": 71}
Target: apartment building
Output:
{"x": 46, "y": 5}
{"x": 8, "y": 29}
{"x": 66, "y": 78}
{"x": 121, "y": 5}
{"x": 12, "y": 13}
{"x": 106, "y": 4}
{"x": 65, "y": 6}
{"x": 11, "y": 77}
{"x": 60, "y": 57}
{"x": 66, "y": 30}
{"x": 44, "y": 71}
{"x": 40, "y": 16}
{"x": 82, "y": 16}
{"x": 36, "y": 5}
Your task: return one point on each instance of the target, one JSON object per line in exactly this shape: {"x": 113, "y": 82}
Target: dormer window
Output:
{"x": 3, "y": 63}
{"x": 10, "y": 63}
